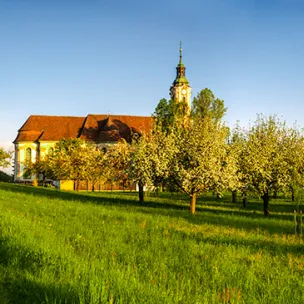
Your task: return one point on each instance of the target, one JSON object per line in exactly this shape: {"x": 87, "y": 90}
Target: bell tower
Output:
{"x": 180, "y": 90}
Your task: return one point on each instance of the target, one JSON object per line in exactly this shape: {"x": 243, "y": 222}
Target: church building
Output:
{"x": 39, "y": 134}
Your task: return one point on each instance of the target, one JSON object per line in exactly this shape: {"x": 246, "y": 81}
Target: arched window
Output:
{"x": 28, "y": 154}
{"x": 51, "y": 151}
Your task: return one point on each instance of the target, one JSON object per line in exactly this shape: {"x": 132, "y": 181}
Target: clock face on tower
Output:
{"x": 184, "y": 92}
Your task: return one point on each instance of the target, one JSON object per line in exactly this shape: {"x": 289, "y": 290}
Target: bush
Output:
{"x": 4, "y": 177}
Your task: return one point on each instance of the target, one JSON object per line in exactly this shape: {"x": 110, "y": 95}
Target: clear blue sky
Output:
{"x": 61, "y": 57}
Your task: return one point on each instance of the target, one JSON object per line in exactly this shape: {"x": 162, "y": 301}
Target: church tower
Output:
{"x": 180, "y": 90}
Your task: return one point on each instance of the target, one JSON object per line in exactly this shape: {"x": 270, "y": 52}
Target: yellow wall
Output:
{"x": 178, "y": 96}
{"x": 20, "y": 154}
{"x": 40, "y": 149}
{"x": 45, "y": 146}
{"x": 66, "y": 185}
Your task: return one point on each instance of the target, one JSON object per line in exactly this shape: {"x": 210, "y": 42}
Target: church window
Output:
{"x": 28, "y": 154}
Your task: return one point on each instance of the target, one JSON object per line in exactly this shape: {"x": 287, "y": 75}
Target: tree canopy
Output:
{"x": 71, "y": 159}
{"x": 206, "y": 105}
{"x": 5, "y": 158}
{"x": 168, "y": 113}
{"x": 270, "y": 159}
{"x": 201, "y": 161}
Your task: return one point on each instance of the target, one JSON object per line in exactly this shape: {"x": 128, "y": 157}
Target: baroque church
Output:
{"x": 39, "y": 134}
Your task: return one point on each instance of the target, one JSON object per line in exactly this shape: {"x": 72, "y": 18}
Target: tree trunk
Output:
{"x": 265, "y": 198}
{"x": 192, "y": 203}
{"x": 141, "y": 192}
{"x": 160, "y": 188}
{"x": 218, "y": 196}
{"x": 275, "y": 194}
{"x": 93, "y": 186}
{"x": 245, "y": 199}
{"x": 77, "y": 185}
{"x": 292, "y": 195}
{"x": 234, "y": 194}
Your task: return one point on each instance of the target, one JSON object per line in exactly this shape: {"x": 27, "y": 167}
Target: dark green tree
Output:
{"x": 206, "y": 105}
{"x": 168, "y": 113}
{"x": 4, "y": 177}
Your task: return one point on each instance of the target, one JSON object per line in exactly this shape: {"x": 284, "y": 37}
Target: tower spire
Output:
{"x": 180, "y": 90}
{"x": 180, "y": 53}
{"x": 180, "y": 69}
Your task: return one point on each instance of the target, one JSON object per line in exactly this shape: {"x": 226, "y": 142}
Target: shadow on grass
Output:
{"x": 229, "y": 220}
{"x": 25, "y": 291}
{"x": 253, "y": 245}
{"x": 276, "y": 205}
{"x": 84, "y": 197}
{"x": 242, "y": 212}
{"x": 249, "y": 222}
{"x": 27, "y": 258}
{"x": 235, "y": 216}
{"x": 130, "y": 198}
{"x": 19, "y": 267}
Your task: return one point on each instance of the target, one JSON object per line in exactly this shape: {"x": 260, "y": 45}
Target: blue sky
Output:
{"x": 77, "y": 57}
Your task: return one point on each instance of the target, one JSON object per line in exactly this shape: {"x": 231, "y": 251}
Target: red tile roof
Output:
{"x": 97, "y": 128}
{"x": 101, "y": 128}
{"x": 50, "y": 128}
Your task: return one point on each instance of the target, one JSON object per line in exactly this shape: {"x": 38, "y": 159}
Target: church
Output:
{"x": 38, "y": 135}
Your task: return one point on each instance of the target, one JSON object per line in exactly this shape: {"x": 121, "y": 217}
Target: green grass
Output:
{"x": 60, "y": 247}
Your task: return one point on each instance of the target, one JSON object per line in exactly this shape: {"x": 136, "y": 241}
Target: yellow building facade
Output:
{"x": 39, "y": 135}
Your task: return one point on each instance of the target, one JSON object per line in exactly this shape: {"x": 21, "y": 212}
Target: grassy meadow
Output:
{"x": 60, "y": 247}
